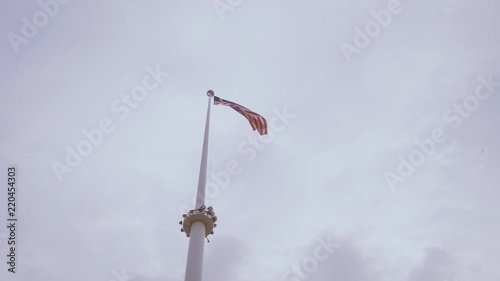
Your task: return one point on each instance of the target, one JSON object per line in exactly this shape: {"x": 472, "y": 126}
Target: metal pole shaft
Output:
{"x": 202, "y": 181}
{"x": 194, "y": 265}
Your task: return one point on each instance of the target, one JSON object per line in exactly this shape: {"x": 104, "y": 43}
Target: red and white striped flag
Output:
{"x": 257, "y": 122}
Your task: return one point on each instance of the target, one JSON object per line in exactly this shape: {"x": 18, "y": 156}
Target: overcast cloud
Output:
{"x": 382, "y": 163}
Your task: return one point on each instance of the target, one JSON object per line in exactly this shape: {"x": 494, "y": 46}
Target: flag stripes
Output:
{"x": 257, "y": 122}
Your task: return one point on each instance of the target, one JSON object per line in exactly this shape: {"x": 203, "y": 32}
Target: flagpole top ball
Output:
{"x": 210, "y": 93}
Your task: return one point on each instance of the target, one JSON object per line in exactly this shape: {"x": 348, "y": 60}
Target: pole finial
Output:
{"x": 210, "y": 93}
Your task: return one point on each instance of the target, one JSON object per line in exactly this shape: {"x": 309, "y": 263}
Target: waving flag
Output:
{"x": 257, "y": 122}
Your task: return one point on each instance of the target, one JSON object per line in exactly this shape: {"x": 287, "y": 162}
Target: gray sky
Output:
{"x": 329, "y": 174}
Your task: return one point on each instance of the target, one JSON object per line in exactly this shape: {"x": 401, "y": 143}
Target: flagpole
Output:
{"x": 202, "y": 181}
{"x": 199, "y": 222}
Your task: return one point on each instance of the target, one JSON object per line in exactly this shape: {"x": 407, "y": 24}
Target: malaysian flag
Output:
{"x": 257, "y": 122}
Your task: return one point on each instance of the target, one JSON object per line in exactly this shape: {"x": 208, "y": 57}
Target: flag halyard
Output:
{"x": 257, "y": 122}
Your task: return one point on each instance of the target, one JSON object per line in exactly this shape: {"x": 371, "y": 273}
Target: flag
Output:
{"x": 257, "y": 122}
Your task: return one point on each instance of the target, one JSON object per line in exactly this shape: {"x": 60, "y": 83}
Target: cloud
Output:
{"x": 331, "y": 257}
{"x": 437, "y": 265}
{"x": 224, "y": 257}
{"x": 120, "y": 207}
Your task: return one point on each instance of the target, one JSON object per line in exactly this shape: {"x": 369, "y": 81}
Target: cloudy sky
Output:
{"x": 384, "y": 144}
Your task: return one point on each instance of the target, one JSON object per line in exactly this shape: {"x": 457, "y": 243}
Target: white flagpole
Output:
{"x": 199, "y": 222}
{"x": 202, "y": 181}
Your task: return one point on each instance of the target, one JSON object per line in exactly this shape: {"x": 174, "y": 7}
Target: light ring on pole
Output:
{"x": 204, "y": 218}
